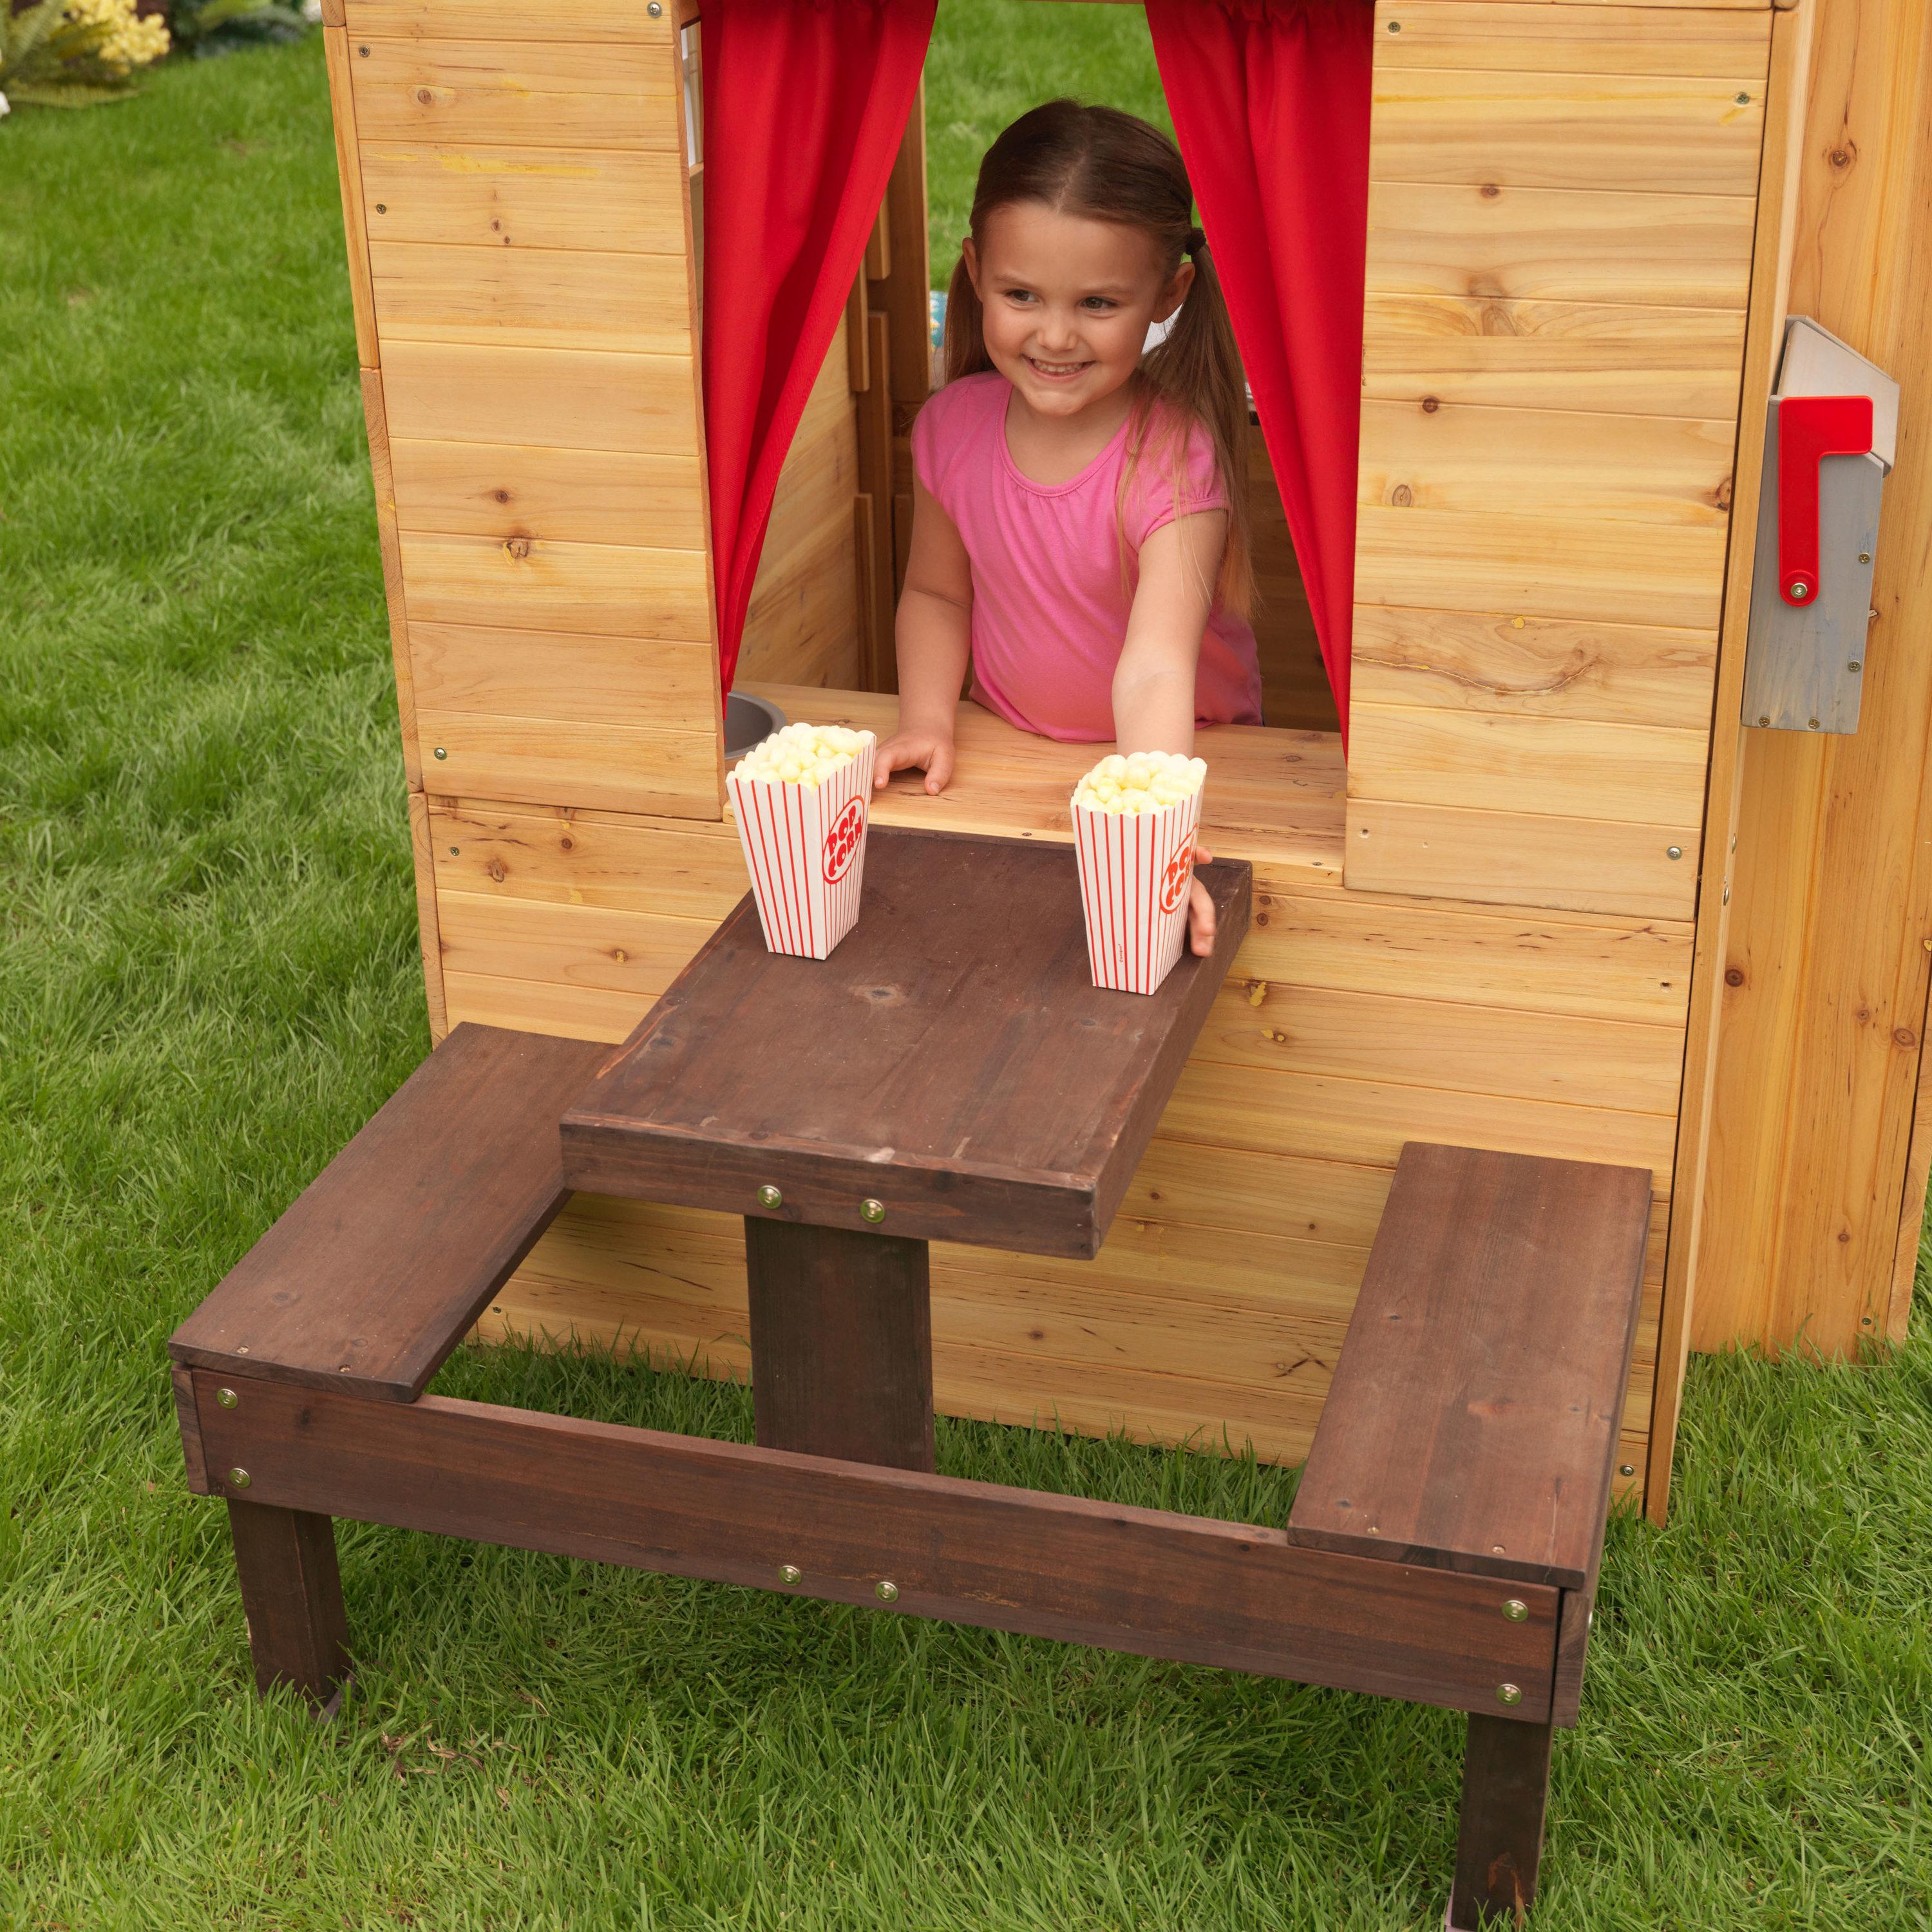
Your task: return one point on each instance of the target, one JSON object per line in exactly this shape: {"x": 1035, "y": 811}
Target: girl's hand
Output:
{"x": 931, "y": 750}
{"x": 1200, "y": 907}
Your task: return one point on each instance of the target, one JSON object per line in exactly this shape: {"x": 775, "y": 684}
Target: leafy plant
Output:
{"x": 203, "y": 27}
{"x": 75, "y": 53}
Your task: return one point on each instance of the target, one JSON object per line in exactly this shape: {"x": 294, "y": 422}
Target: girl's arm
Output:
{"x": 933, "y": 633}
{"x": 1153, "y": 682}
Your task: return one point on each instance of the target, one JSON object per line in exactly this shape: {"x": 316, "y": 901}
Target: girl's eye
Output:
{"x": 1099, "y": 302}
{"x": 1019, "y": 295}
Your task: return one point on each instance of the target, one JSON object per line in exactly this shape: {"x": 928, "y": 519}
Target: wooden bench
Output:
{"x": 1443, "y": 1546}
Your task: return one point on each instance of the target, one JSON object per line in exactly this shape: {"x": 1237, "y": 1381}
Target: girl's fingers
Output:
{"x": 1200, "y": 918}
{"x": 938, "y": 769}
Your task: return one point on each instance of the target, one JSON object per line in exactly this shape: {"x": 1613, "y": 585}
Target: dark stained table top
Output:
{"x": 952, "y": 1060}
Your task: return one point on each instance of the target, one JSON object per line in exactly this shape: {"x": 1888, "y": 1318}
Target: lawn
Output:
{"x": 209, "y": 980}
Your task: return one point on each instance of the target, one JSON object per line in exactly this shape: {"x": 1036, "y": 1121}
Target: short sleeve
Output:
{"x": 1154, "y": 500}
{"x": 942, "y": 427}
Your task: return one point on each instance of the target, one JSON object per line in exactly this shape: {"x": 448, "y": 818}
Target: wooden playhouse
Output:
{"x": 1557, "y": 901}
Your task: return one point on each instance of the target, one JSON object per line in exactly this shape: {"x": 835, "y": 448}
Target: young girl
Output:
{"x": 1079, "y": 527}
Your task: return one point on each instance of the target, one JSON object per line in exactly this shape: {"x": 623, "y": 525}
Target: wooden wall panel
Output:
{"x": 521, "y": 173}
{"x": 1812, "y": 1205}
{"x": 1542, "y": 533}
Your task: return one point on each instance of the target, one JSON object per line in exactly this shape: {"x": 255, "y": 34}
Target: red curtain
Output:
{"x": 805, "y": 104}
{"x": 1270, "y": 101}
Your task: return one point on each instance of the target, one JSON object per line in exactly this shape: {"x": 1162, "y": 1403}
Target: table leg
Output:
{"x": 1505, "y": 1786}
{"x": 841, "y": 1343}
{"x": 292, "y": 1596}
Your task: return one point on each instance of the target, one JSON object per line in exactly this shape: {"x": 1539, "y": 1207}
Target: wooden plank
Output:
{"x": 181, "y": 1382}
{"x": 1583, "y": 567}
{"x": 564, "y": 399}
{"x": 1534, "y": 667}
{"x": 624, "y": 200}
{"x": 291, "y": 1600}
{"x": 1487, "y": 1050}
{"x": 564, "y": 496}
{"x": 1495, "y": 761}
{"x": 375, "y": 421}
{"x": 1638, "y": 134}
{"x": 1236, "y": 1595}
{"x": 1502, "y": 858}
{"x": 1643, "y": 469}
{"x": 586, "y": 680}
{"x": 1325, "y": 1118}
{"x": 370, "y": 1279}
{"x": 665, "y": 770}
{"x": 534, "y": 583}
{"x": 349, "y": 175}
{"x": 428, "y": 942}
{"x": 529, "y": 298}
{"x": 918, "y": 1104}
{"x": 1499, "y": 1827}
{"x": 607, "y": 22}
{"x": 543, "y": 93}
{"x": 1547, "y": 244}
{"x": 1473, "y": 1420}
{"x": 1569, "y": 355}
{"x": 539, "y": 1005}
{"x": 1828, "y": 931}
{"x": 1505, "y": 36}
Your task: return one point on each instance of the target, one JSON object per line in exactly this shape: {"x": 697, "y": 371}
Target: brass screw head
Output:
{"x": 1509, "y": 1693}
{"x": 789, "y": 1573}
{"x": 1744, "y": 100}
{"x": 769, "y": 1196}
{"x": 238, "y": 1479}
{"x": 1516, "y": 1610}
{"x": 873, "y": 1211}
{"x": 886, "y": 1591}
{"x": 1856, "y": 664}
{"x": 1812, "y": 725}
{"x": 1864, "y": 557}
{"x": 226, "y": 1397}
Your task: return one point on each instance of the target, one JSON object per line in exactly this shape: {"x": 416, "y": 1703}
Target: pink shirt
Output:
{"x": 1050, "y": 600}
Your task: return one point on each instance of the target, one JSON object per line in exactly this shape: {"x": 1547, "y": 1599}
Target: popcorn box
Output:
{"x": 1136, "y": 868}
{"x": 805, "y": 846}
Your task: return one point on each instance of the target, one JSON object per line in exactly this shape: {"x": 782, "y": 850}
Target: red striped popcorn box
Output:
{"x": 1135, "y": 867}
{"x": 805, "y": 846}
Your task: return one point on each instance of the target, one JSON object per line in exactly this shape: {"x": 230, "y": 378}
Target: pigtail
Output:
{"x": 1196, "y": 375}
{"x": 965, "y": 339}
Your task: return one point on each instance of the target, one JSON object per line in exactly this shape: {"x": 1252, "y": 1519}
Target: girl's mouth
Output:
{"x": 1056, "y": 372}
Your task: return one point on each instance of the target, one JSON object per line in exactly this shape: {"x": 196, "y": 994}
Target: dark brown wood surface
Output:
{"x": 1473, "y": 1419}
{"x": 373, "y": 1275}
{"x": 1159, "y": 1585}
{"x": 292, "y": 1596}
{"x": 191, "y": 1429}
{"x": 841, "y": 1343}
{"x": 952, "y": 1060}
{"x": 1499, "y": 1838}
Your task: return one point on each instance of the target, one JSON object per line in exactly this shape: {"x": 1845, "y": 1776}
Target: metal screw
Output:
{"x": 1764, "y": 721}
{"x": 456, "y": 851}
{"x": 789, "y": 1573}
{"x": 769, "y": 1196}
{"x": 1727, "y": 899}
{"x": 1800, "y": 591}
{"x": 363, "y": 51}
{"x": 655, "y": 10}
{"x": 238, "y": 1479}
{"x": 382, "y": 208}
{"x": 441, "y": 753}
{"x": 1744, "y": 100}
{"x": 1855, "y": 665}
{"x": 886, "y": 1591}
{"x": 1626, "y": 1468}
{"x": 1864, "y": 557}
{"x": 1516, "y": 1610}
{"x": 1673, "y": 851}
{"x": 1395, "y": 26}
{"x": 226, "y": 1397}
{"x": 1812, "y": 724}
{"x": 873, "y": 1211}
{"x": 1509, "y": 1693}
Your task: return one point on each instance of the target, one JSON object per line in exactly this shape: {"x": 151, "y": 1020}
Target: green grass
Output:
{"x": 209, "y": 980}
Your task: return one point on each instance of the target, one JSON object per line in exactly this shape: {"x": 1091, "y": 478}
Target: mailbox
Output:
{"x": 1828, "y": 446}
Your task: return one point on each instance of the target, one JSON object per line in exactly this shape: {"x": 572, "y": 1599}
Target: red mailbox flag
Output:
{"x": 805, "y": 104}
{"x": 1270, "y": 101}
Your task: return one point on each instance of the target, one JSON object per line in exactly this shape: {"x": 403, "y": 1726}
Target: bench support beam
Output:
{"x": 1505, "y": 1786}
{"x": 292, "y": 1596}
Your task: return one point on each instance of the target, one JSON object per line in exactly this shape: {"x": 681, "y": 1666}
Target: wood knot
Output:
{"x": 1844, "y": 155}
{"x": 1490, "y": 190}
{"x": 1402, "y": 496}
{"x": 1430, "y": 404}
{"x": 502, "y": 496}
{"x": 517, "y": 547}
{"x": 1734, "y": 975}
{"x": 1905, "y": 1036}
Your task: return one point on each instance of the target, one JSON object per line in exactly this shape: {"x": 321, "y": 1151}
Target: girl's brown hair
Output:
{"x": 1105, "y": 166}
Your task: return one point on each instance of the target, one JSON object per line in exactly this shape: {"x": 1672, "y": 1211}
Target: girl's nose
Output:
{"x": 1058, "y": 329}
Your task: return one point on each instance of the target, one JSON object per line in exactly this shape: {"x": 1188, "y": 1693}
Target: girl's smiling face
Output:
{"x": 1067, "y": 302}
